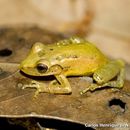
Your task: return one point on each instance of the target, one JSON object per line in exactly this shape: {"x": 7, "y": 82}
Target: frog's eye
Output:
{"x": 42, "y": 68}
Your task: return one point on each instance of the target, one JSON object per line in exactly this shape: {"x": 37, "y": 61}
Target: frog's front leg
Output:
{"x": 60, "y": 86}
{"x": 103, "y": 76}
{"x": 40, "y": 87}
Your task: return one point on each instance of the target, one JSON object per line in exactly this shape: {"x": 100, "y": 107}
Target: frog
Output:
{"x": 74, "y": 56}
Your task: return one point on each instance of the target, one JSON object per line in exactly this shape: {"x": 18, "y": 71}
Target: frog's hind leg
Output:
{"x": 60, "y": 86}
{"x": 107, "y": 73}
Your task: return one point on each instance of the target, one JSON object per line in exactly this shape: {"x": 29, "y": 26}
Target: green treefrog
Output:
{"x": 71, "y": 57}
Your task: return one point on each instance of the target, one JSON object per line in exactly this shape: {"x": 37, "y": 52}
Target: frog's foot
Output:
{"x": 92, "y": 87}
{"x": 111, "y": 68}
{"x": 113, "y": 84}
{"x": 41, "y": 87}
{"x": 32, "y": 84}
{"x": 60, "y": 86}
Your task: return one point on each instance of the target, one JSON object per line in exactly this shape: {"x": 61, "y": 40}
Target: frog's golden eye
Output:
{"x": 42, "y": 68}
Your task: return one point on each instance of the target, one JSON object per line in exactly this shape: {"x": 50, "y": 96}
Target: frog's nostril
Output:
{"x": 42, "y": 68}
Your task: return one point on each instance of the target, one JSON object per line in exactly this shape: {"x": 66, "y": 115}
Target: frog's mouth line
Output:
{"x": 34, "y": 72}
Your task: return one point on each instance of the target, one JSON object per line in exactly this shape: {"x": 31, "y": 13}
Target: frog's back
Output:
{"x": 82, "y": 58}
{"x": 86, "y": 50}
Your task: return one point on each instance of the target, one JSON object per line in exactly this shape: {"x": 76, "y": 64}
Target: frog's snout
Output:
{"x": 20, "y": 67}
